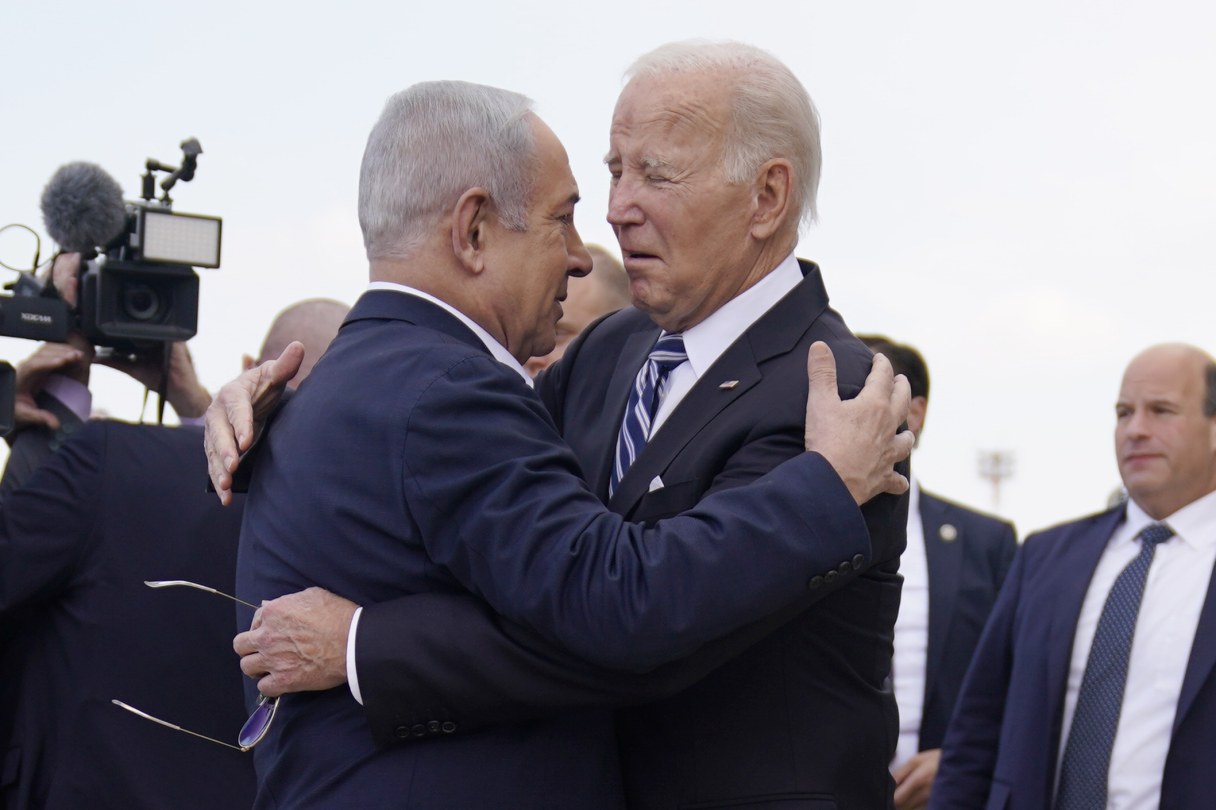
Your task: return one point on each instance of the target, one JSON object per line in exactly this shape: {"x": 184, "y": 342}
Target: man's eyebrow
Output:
{"x": 648, "y": 162}
{"x": 654, "y": 163}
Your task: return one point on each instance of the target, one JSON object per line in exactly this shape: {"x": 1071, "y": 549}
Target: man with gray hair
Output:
{"x": 715, "y": 159}
{"x": 419, "y": 461}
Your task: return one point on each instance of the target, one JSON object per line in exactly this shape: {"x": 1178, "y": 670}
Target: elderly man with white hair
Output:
{"x": 668, "y": 405}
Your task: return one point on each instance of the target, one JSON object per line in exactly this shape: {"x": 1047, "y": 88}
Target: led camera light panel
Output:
{"x": 189, "y": 239}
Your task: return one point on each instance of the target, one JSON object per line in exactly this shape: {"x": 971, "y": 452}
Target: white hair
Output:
{"x": 433, "y": 142}
{"x": 773, "y": 114}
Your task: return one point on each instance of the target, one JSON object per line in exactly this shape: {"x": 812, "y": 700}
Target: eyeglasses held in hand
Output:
{"x": 255, "y": 727}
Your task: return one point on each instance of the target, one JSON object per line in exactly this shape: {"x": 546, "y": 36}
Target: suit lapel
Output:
{"x": 945, "y": 561}
{"x": 1062, "y": 598}
{"x": 774, "y": 333}
{"x": 700, "y": 405}
{"x": 1203, "y": 655}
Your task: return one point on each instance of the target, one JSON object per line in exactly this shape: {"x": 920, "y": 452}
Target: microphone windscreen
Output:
{"x": 82, "y": 207}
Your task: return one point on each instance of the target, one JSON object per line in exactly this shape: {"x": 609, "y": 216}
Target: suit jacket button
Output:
{"x": 402, "y": 732}
{"x": 448, "y": 727}
{"x": 433, "y": 726}
{"x": 418, "y": 730}
{"x": 830, "y": 577}
{"x": 858, "y": 561}
{"x": 816, "y": 582}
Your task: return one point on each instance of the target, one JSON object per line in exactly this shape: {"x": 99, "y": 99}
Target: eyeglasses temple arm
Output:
{"x": 167, "y": 724}
{"x": 172, "y": 583}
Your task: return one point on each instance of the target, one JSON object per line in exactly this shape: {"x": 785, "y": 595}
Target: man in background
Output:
{"x": 114, "y": 505}
{"x": 953, "y": 568}
{"x": 52, "y": 393}
{"x": 1094, "y": 684}
{"x": 605, "y": 289}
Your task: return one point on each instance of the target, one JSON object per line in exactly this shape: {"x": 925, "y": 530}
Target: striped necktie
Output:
{"x": 648, "y": 390}
{"x": 1085, "y": 768}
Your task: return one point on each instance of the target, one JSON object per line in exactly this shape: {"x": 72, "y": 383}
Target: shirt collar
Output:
{"x": 495, "y": 348}
{"x": 705, "y": 342}
{"x": 1193, "y": 523}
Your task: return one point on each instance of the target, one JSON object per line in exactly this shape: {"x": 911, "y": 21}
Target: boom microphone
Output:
{"x": 82, "y": 207}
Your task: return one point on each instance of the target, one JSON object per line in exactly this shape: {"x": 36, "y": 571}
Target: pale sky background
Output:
{"x": 1024, "y": 190}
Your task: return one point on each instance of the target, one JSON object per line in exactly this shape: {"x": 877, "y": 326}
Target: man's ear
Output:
{"x": 470, "y": 220}
{"x": 772, "y": 190}
{"x": 918, "y": 408}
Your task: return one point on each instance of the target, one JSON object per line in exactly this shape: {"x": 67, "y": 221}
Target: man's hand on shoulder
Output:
{"x": 859, "y": 437}
{"x": 238, "y": 411}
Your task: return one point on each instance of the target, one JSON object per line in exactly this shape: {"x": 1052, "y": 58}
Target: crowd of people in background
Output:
{"x": 560, "y": 526}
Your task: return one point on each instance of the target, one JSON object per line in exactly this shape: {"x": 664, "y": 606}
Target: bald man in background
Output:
{"x": 1094, "y": 684}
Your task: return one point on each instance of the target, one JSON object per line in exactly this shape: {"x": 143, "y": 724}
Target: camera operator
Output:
{"x": 52, "y": 397}
{"x": 115, "y": 505}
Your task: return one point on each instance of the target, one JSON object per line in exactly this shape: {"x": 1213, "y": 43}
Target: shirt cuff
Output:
{"x": 74, "y": 395}
{"x": 352, "y": 677}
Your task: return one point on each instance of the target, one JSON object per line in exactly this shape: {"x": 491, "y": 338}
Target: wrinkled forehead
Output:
{"x": 679, "y": 106}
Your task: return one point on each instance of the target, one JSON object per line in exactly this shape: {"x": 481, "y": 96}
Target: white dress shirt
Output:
{"x": 705, "y": 342}
{"x": 911, "y": 634}
{"x": 501, "y": 355}
{"x": 1174, "y": 593}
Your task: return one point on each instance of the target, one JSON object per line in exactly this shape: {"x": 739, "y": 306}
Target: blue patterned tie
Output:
{"x": 1086, "y": 764}
{"x": 648, "y": 390}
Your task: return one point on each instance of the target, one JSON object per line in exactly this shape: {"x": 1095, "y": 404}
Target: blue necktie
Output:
{"x": 1086, "y": 764}
{"x": 648, "y": 390}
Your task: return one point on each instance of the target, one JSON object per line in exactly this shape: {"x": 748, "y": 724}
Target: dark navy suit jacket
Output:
{"x": 1001, "y": 749}
{"x": 413, "y": 462}
{"x": 801, "y": 719}
{"x": 968, "y": 562}
{"x": 118, "y": 504}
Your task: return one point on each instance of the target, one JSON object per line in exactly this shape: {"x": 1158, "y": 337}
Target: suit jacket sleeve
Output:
{"x": 44, "y": 526}
{"x": 33, "y": 446}
{"x": 970, "y": 748}
{"x": 542, "y": 550}
{"x": 450, "y": 657}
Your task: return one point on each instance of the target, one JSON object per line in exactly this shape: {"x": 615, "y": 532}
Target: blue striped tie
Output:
{"x": 648, "y": 390}
{"x": 1085, "y": 768}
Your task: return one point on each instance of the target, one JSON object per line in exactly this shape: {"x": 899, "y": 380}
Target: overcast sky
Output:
{"x": 1024, "y": 191}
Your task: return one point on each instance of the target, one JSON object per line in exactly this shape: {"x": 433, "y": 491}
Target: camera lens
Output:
{"x": 140, "y": 302}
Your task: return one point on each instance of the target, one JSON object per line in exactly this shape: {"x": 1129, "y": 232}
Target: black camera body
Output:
{"x": 126, "y": 305}
{"x": 33, "y": 312}
{"x": 143, "y": 291}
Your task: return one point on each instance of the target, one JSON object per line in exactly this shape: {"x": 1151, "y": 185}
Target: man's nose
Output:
{"x": 579, "y": 257}
{"x": 622, "y": 204}
{"x": 1137, "y": 424}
